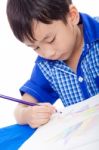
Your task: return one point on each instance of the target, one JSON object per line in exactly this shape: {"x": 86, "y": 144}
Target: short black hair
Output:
{"x": 21, "y": 14}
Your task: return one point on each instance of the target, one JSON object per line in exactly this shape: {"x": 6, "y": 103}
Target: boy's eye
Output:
{"x": 52, "y": 40}
{"x": 36, "y": 48}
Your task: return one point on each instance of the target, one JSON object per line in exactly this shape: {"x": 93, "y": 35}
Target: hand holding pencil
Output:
{"x": 38, "y": 115}
{"x": 33, "y": 114}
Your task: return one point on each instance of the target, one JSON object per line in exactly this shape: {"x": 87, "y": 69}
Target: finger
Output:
{"x": 47, "y": 104}
{"x": 44, "y": 109}
{"x": 39, "y": 122}
{"x": 42, "y": 116}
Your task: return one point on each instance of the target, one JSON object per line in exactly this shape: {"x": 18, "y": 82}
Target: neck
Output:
{"x": 79, "y": 39}
{"x": 74, "y": 59}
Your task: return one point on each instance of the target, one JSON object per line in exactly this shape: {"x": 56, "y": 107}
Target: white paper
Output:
{"x": 77, "y": 128}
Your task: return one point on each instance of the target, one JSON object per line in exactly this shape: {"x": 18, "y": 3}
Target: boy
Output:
{"x": 67, "y": 44}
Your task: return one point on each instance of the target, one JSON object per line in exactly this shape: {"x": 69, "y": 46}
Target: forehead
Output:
{"x": 41, "y": 29}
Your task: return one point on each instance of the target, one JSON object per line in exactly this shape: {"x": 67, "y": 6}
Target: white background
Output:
{"x": 16, "y": 60}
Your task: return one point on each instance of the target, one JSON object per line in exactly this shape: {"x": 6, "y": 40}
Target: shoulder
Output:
{"x": 96, "y": 18}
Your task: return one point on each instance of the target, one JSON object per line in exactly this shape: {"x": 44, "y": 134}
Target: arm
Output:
{"x": 37, "y": 90}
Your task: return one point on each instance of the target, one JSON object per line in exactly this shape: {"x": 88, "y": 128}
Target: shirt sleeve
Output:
{"x": 39, "y": 87}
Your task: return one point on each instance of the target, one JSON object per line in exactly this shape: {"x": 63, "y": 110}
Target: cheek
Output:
{"x": 65, "y": 44}
{"x": 70, "y": 41}
{"x": 65, "y": 40}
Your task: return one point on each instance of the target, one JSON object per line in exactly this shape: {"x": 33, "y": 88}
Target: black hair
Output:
{"x": 21, "y": 14}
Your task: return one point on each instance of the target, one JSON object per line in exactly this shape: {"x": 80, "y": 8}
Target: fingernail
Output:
{"x": 57, "y": 111}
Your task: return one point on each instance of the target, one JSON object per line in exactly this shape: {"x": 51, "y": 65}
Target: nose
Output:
{"x": 48, "y": 52}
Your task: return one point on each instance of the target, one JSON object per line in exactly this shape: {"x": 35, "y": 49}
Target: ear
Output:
{"x": 74, "y": 16}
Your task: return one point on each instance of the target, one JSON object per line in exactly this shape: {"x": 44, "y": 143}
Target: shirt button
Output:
{"x": 80, "y": 79}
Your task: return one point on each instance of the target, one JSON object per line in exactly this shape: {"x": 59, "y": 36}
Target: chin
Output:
{"x": 63, "y": 58}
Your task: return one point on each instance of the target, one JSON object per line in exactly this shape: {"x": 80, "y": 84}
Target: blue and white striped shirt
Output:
{"x": 51, "y": 80}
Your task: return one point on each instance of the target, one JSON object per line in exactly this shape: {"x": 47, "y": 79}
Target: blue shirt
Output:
{"x": 51, "y": 80}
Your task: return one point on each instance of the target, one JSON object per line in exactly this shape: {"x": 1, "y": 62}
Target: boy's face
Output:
{"x": 55, "y": 41}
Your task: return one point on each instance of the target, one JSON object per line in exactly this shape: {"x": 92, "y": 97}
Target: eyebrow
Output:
{"x": 46, "y": 37}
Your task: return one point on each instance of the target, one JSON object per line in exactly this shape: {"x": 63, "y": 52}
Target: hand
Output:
{"x": 39, "y": 115}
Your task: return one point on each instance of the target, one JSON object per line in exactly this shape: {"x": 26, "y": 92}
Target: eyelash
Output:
{"x": 36, "y": 48}
{"x": 52, "y": 40}
{"x": 47, "y": 42}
